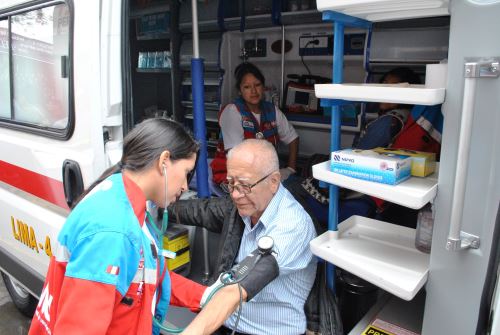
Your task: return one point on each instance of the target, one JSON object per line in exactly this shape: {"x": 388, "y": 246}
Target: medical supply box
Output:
{"x": 372, "y": 166}
{"x": 422, "y": 163}
{"x": 176, "y": 240}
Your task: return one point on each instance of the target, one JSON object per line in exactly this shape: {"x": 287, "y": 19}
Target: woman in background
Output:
{"x": 392, "y": 117}
{"x": 250, "y": 116}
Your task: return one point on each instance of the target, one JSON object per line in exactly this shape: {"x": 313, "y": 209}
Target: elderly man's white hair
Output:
{"x": 265, "y": 156}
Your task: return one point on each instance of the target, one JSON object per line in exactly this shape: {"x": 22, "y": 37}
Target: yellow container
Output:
{"x": 179, "y": 260}
{"x": 176, "y": 238}
{"x": 422, "y": 163}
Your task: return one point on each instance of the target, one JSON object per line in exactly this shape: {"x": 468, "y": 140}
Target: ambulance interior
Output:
{"x": 159, "y": 51}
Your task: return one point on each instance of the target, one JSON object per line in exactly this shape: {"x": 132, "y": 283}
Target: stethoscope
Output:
{"x": 160, "y": 232}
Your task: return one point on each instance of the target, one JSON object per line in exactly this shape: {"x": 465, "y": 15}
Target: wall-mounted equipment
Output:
{"x": 300, "y": 96}
{"x": 256, "y": 47}
{"x": 321, "y": 44}
{"x": 317, "y": 45}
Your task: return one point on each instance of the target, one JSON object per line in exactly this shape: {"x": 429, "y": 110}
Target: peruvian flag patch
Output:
{"x": 112, "y": 269}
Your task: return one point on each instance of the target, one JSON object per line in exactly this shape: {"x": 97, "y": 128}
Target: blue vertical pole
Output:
{"x": 338, "y": 68}
{"x": 197, "y": 87}
{"x": 197, "y": 70}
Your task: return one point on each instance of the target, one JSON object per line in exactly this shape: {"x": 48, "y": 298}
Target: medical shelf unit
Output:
{"x": 340, "y": 21}
{"x": 213, "y": 76}
{"x": 378, "y": 252}
{"x": 152, "y": 28}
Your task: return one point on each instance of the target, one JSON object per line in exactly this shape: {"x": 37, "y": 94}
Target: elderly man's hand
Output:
{"x": 286, "y": 172}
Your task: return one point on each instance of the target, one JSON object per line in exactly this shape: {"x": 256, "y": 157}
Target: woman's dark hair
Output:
{"x": 244, "y": 69}
{"x": 405, "y": 75}
{"x": 144, "y": 144}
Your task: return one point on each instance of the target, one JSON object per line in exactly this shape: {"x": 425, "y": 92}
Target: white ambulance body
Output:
{"x": 60, "y": 91}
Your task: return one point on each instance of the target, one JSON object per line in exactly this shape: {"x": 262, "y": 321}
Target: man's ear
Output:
{"x": 275, "y": 180}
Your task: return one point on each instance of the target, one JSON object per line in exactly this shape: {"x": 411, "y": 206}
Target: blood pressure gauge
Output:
{"x": 265, "y": 244}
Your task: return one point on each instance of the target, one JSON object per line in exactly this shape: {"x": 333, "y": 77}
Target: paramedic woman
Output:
{"x": 250, "y": 116}
{"x": 108, "y": 275}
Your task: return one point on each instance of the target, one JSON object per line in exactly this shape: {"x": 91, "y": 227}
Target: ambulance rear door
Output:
{"x": 51, "y": 124}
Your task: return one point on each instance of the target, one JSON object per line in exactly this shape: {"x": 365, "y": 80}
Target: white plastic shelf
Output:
{"x": 210, "y": 115}
{"x": 385, "y": 10}
{"x": 206, "y": 82}
{"x": 394, "y": 93}
{"x": 378, "y": 252}
{"x": 413, "y": 193}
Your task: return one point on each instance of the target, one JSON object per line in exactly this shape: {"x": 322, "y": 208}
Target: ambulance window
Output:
{"x": 4, "y": 69}
{"x": 40, "y": 48}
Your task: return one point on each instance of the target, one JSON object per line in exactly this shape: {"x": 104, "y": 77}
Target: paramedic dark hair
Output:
{"x": 244, "y": 69}
{"x": 144, "y": 144}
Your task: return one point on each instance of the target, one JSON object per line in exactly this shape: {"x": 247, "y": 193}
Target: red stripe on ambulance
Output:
{"x": 41, "y": 186}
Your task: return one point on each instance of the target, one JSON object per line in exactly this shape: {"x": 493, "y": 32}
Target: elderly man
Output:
{"x": 259, "y": 205}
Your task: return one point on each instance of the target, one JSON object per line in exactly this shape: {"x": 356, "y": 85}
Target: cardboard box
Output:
{"x": 371, "y": 166}
{"x": 422, "y": 163}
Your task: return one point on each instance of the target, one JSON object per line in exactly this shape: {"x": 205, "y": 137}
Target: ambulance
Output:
{"x": 77, "y": 75}
{"x": 61, "y": 118}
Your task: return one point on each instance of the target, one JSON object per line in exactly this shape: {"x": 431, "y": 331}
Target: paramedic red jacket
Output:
{"x": 105, "y": 277}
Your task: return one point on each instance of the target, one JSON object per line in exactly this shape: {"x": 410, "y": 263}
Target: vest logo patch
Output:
{"x": 248, "y": 124}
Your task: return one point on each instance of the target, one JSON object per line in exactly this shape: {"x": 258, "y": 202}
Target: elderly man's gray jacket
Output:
{"x": 218, "y": 215}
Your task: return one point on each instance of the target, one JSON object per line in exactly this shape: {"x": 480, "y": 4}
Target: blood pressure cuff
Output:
{"x": 262, "y": 274}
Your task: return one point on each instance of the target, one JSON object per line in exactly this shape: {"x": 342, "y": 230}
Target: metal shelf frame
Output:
{"x": 340, "y": 21}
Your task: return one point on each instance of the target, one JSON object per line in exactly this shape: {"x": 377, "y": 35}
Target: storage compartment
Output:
{"x": 391, "y": 315}
{"x": 150, "y": 60}
{"x": 378, "y": 252}
{"x": 414, "y": 192}
{"x": 383, "y": 10}
{"x": 394, "y": 93}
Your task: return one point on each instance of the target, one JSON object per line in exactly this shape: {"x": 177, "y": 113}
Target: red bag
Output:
{"x": 415, "y": 137}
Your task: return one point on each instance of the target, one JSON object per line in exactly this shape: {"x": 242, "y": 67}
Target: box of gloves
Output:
{"x": 386, "y": 168}
{"x": 422, "y": 163}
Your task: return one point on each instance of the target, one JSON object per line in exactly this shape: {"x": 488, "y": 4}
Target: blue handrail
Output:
{"x": 340, "y": 21}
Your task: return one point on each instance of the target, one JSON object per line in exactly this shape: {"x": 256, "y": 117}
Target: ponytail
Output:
{"x": 144, "y": 144}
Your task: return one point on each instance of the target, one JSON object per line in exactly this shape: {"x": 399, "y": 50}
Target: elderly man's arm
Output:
{"x": 225, "y": 301}
{"x": 206, "y": 213}
{"x": 218, "y": 309}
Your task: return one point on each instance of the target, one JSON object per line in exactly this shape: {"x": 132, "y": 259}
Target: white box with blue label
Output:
{"x": 386, "y": 168}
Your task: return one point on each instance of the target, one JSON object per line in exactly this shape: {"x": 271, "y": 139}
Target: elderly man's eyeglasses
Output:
{"x": 242, "y": 188}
